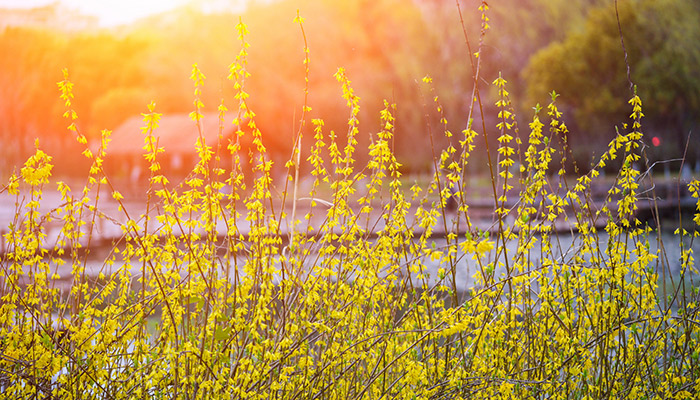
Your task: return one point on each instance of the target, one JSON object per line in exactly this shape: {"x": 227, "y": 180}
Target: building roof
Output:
{"x": 176, "y": 133}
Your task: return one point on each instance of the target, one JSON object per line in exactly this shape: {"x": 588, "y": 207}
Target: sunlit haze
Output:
{"x": 123, "y": 55}
{"x": 118, "y": 12}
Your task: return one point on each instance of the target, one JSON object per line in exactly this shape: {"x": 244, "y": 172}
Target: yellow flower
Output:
{"x": 484, "y": 246}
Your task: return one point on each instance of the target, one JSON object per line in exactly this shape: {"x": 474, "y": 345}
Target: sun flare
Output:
{"x": 117, "y": 12}
{"x": 109, "y": 12}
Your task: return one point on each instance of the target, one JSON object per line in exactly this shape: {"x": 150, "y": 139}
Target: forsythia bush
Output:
{"x": 349, "y": 308}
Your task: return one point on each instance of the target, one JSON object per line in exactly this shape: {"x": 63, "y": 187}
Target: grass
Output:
{"x": 272, "y": 308}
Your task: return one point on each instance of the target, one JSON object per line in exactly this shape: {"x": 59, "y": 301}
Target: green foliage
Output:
{"x": 524, "y": 27}
{"x": 588, "y": 68}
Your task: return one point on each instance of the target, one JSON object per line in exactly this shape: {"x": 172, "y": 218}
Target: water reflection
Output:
{"x": 463, "y": 268}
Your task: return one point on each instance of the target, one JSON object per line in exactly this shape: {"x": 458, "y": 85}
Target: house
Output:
{"x": 176, "y": 134}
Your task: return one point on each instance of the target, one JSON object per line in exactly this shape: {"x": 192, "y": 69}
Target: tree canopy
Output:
{"x": 588, "y": 69}
{"x": 386, "y": 47}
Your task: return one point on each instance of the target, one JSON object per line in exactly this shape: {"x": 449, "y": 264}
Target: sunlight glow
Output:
{"x": 113, "y": 12}
{"x": 117, "y": 12}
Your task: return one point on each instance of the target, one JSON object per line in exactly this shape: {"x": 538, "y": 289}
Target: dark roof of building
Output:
{"x": 176, "y": 133}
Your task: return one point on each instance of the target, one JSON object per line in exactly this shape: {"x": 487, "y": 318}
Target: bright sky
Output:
{"x": 110, "y": 12}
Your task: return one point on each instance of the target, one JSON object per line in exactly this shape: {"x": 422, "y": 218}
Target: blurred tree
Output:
{"x": 101, "y": 62}
{"x": 28, "y": 66}
{"x": 382, "y": 45}
{"x": 587, "y": 68}
{"x": 520, "y": 28}
{"x": 115, "y": 106}
{"x": 386, "y": 46}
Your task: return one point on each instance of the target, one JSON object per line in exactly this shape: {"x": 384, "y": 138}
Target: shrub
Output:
{"x": 214, "y": 293}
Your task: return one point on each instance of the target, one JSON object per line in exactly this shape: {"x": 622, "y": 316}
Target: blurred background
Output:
{"x": 122, "y": 57}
